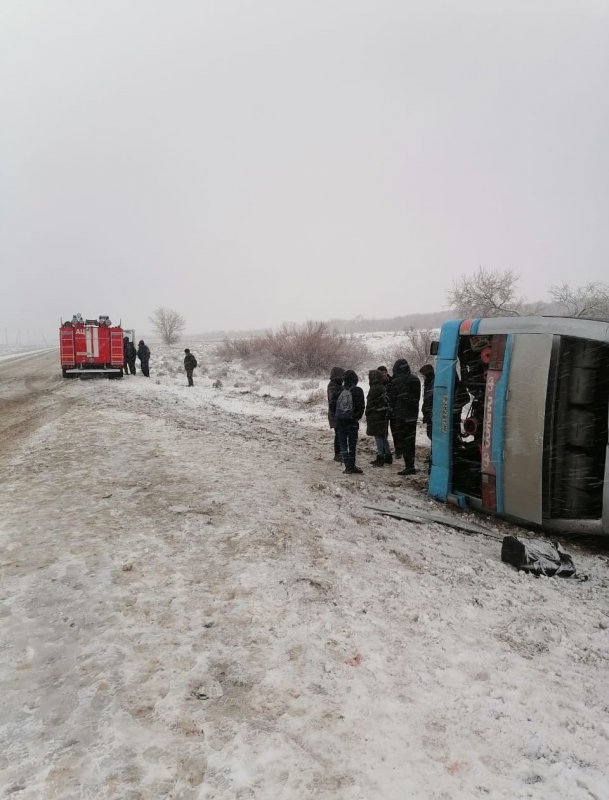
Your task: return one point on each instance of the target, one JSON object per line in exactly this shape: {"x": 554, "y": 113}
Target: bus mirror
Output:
{"x": 433, "y": 348}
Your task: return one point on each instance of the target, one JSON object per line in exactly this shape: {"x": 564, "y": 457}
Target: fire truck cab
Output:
{"x": 89, "y": 347}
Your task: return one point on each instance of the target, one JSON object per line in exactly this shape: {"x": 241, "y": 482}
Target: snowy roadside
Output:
{"x": 196, "y": 604}
{"x": 12, "y": 355}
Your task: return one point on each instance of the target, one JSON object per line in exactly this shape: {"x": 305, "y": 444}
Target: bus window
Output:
{"x": 576, "y": 444}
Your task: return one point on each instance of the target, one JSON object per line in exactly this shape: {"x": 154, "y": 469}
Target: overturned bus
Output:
{"x": 520, "y": 417}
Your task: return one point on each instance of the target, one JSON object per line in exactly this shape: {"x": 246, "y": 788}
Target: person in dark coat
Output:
{"x": 348, "y": 408}
{"x": 143, "y": 353}
{"x": 190, "y": 363}
{"x": 404, "y": 394}
{"x": 427, "y": 371}
{"x": 130, "y": 355}
{"x": 377, "y": 413}
{"x": 335, "y": 387}
{"x": 387, "y": 378}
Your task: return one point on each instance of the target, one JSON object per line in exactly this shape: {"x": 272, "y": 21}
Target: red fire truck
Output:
{"x": 89, "y": 347}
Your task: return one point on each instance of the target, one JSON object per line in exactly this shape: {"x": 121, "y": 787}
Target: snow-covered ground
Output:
{"x": 10, "y": 353}
{"x": 197, "y": 604}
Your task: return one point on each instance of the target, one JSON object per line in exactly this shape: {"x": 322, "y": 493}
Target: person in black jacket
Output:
{"x": 377, "y": 411}
{"x": 143, "y": 353}
{"x": 130, "y": 355}
{"x": 348, "y": 408}
{"x": 190, "y": 363}
{"x": 335, "y": 387}
{"x": 404, "y": 394}
{"x": 387, "y": 379}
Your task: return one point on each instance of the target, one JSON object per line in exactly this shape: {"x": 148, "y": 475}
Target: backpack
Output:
{"x": 194, "y": 362}
{"x": 344, "y": 405}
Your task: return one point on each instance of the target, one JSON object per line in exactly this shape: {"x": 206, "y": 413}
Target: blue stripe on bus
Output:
{"x": 440, "y": 478}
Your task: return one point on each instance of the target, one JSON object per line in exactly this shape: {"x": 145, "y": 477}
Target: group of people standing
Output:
{"x": 392, "y": 403}
{"x": 130, "y": 354}
{"x": 143, "y": 353}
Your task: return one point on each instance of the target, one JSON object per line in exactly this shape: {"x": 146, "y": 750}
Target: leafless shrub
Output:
{"x": 391, "y": 354}
{"x": 414, "y": 348}
{"x": 418, "y": 347}
{"x": 315, "y": 398}
{"x": 309, "y": 349}
{"x": 486, "y": 293}
{"x": 313, "y": 348}
{"x": 240, "y": 348}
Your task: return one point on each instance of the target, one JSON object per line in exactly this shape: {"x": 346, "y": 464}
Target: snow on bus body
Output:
{"x": 533, "y": 444}
{"x": 90, "y": 347}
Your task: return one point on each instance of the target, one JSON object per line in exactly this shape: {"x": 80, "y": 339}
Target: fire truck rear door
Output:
{"x": 92, "y": 339}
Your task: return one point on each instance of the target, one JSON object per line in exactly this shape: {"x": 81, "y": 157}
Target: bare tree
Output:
{"x": 486, "y": 293}
{"x": 168, "y": 323}
{"x": 418, "y": 347}
{"x": 590, "y": 300}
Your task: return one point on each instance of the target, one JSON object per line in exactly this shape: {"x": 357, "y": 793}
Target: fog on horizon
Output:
{"x": 249, "y": 163}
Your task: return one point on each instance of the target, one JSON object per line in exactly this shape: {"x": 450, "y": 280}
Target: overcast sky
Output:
{"x": 253, "y": 162}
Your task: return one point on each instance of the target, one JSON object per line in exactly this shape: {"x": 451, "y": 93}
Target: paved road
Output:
{"x": 29, "y": 394}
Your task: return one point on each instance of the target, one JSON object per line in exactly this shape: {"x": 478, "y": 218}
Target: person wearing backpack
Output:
{"x": 190, "y": 362}
{"x": 348, "y": 408}
{"x": 335, "y": 387}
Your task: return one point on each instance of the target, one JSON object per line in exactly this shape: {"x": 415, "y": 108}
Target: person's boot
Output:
{"x": 408, "y": 471}
{"x": 379, "y": 461}
{"x": 354, "y": 471}
{"x": 388, "y": 458}
{"x": 338, "y": 458}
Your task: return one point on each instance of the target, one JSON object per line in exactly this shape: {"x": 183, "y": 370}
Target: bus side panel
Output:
{"x": 440, "y": 478}
{"x": 524, "y": 426}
